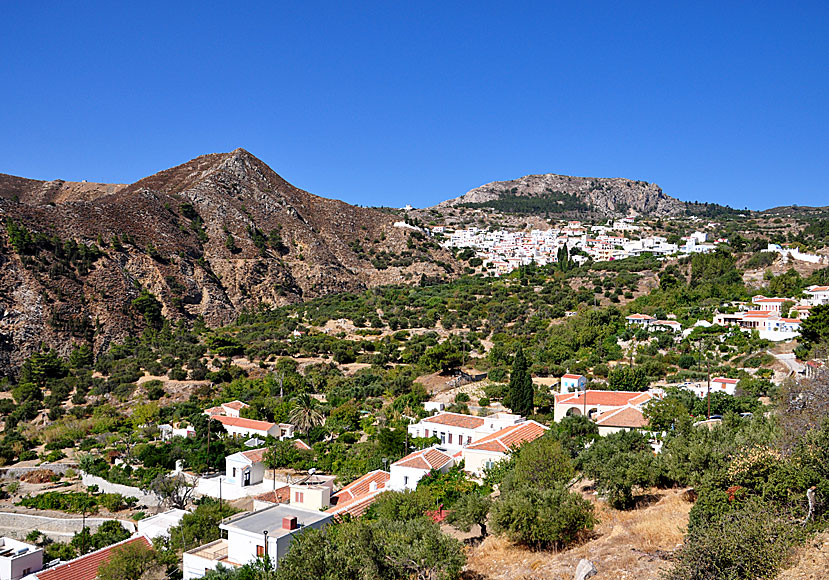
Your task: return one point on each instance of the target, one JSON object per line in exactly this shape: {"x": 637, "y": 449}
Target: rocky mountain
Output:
{"x": 562, "y": 194}
{"x": 208, "y": 238}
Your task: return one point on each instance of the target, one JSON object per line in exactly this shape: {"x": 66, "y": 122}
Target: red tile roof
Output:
{"x": 235, "y": 405}
{"x": 255, "y": 455}
{"x": 627, "y": 416}
{"x": 252, "y": 424}
{"x": 569, "y": 376}
{"x": 361, "y": 486}
{"x": 817, "y": 289}
{"x": 456, "y": 420}
{"x": 726, "y": 381}
{"x": 86, "y": 567}
{"x": 604, "y": 398}
{"x": 301, "y": 445}
{"x": 427, "y": 459}
{"x": 278, "y": 495}
{"x": 640, "y": 317}
{"x": 504, "y": 440}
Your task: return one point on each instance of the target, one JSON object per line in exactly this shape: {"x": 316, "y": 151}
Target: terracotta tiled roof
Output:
{"x": 726, "y": 381}
{"x": 817, "y": 289}
{"x": 640, "y": 317}
{"x": 361, "y": 486}
{"x": 255, "y": 455}
{"x": 355, "y": 507}
{"x": 244, "y": 423}
{"x": 627, "y": 416}
{"x": 427, "y": 459}
{"x": 301, "y": 445}
{"x": 569, "y": 376}
{"x": 235, "y": 405}
{"x": 604, "y": 398}
{"x": 456, "y": 420}
{"x": 504, "y": 440}
{"x": 86, "y": 567}
{"x": 214, "y": 411}
{"x": 278, "y": 495}
{"x": 758, "y": 314}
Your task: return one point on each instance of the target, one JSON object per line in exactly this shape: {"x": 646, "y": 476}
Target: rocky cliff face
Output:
{"x": 603, "y": 196}
{"x": 208, "y": 238}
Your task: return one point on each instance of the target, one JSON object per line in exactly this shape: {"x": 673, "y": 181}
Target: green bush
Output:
{"x": 542, "y": 518}
{"x": 751, "y": 543}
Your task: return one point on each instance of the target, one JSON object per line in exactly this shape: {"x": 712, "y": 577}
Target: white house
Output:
{"x": 245, "y": 468}
{"x": 642, "y": 320}
{"x": 456, "y": 430}
{"x": 18, "y": 559}
{"x": 406, "y": 472}
{"x": 268, "y": 532}
{"x": 571, "y": 383}
{"x": 241, "y": 427}
{"x": 625, "y": 418}
{"x": 594, "y": 403}
{"x": 491, "y": 449}
{"x": 312, "y": 492}
{"x": 773, "y": 305}
{"x": 231, "y": 409}
{"x": 723, "y": 385}
{"x": 817, "y": 295}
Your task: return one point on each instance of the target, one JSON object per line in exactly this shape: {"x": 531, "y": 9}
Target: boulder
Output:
{"x": 585, "y": 570}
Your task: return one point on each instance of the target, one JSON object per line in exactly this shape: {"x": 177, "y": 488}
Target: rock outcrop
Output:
{"x": 602, "y": 196}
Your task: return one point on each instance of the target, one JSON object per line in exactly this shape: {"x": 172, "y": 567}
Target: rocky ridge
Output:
{"x": 604, "y": 196}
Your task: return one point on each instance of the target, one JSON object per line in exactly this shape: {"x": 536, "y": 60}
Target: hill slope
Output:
{"x": 551, "y": 193}
{"x": 208, "y": 238}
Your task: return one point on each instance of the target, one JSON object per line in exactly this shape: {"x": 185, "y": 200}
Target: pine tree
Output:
{"x": 520, "y": 385}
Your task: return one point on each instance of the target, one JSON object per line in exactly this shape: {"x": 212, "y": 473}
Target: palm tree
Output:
{"x": 306, "y": 413}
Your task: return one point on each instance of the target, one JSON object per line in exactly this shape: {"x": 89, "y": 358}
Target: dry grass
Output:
{"x": 628, "y": 545}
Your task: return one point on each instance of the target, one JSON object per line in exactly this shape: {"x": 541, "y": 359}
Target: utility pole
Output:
{"x": 709, "y": 389}
{"x": 208, "y": 442}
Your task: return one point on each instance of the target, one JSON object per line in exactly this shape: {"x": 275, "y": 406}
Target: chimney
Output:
{"x": 289, "y": 523}
{"x": 372, "y": 486}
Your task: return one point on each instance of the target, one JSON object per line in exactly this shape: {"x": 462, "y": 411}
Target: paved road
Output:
{"x": 789, "y": 360}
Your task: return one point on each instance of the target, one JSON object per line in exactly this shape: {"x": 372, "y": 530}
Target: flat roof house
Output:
{"x": 250, "y": 535}
{"x": 18, "y": 559}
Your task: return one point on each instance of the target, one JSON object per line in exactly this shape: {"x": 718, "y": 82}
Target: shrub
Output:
{"x": 542, "y": 518}
{"x": 462, "y": 398}
{"x": 747, "y": 544}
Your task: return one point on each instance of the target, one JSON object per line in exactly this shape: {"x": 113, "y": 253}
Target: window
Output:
{"x": 299, "y": 497}
{"x": 234, "y": 472}
{"x": 426, "y": 433}
{"x": 260, "y": 551}
{"x": 468, "y": 439}
{"x": 450, "y": 439}
{"x": 405, "y": 480}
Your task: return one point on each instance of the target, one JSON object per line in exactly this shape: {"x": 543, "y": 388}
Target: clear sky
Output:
{"x": 390, "y": 103}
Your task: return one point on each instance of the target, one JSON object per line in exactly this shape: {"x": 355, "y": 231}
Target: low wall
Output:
{"x": 17, "y": 472}
{"x": 105, "y": 486}
{"x": 18, "y": 526}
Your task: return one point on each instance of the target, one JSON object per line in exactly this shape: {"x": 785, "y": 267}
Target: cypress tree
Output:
{"x": 520, "y": 386}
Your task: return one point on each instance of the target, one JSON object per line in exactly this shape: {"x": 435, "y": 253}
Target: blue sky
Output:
{"x": 391, "y": 103}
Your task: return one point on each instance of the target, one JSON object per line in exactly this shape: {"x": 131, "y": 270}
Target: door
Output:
{"x": 246, "y": 477}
